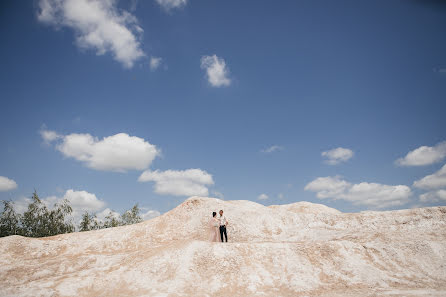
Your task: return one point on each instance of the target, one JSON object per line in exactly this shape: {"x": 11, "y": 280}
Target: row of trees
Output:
{"x": 39, "y": 221}
{"x": 90, "y": 221}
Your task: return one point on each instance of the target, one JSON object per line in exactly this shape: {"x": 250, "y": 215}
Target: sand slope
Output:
{"x": 300, "y": 249}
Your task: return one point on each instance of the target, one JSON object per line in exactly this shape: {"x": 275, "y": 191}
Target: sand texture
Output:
{"x": 299, "y": 249}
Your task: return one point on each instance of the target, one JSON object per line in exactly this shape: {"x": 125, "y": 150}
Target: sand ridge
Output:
{"x": 299, "y": 249}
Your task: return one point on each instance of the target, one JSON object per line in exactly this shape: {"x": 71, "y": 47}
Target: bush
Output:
{"x": 131, "y": 216}
{"x": 89, "y": 222}
{"x": 9, "y": 220}
{"x": 39, "y": 221}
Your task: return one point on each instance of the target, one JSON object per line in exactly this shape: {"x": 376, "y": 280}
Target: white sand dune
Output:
{"x": 300, "y": 249}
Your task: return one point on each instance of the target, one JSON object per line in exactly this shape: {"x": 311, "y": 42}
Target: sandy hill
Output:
{"x": 300, "y": 249}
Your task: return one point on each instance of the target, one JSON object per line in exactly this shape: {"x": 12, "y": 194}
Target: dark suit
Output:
{"x": 223, "y": 231}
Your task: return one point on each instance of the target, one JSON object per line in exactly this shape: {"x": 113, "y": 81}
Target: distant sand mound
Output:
{"x": 299, "y": 249}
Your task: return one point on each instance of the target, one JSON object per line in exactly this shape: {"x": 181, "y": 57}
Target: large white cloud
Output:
{"x": 337, "y": 155}
{"x": 216, "y": 71}
{"x": 7, "y": 184}
{"x": 98, "y": 24}
{"x": 433, "y": 181}
{"x": 83, "y": 201}
{"x": 80, "y": 201}
{"x": 328, "y": 187}
{"x": 433, "y": 196}
{"x": 190, "y": 182}
{"x": 370, "y": 194}
{"x": 119, "y": 152}
{"x": 171, "y": 4}
{"x": 424, "y": 155}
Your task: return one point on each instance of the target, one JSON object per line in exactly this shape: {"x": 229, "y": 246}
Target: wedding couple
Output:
{"x": 216, "y": 225}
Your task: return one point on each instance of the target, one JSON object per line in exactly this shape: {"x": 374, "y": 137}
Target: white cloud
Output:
{"x": 171, "y": 4}
{"x": 80, "y": 202}
{"x": 84, "y": 201}
{"x": 21, "y": 204}
{"x": 433, "y": 181}
{"x": 369, "y": 194}
{"x": 424, "y": 155}
{"x": 49, "y": 136}
{"x": 155, "y": 62}
{"x": 190, "y": 182}
{"x": 133, "y": 5}
{"x": 98, "y": 25}
{"x": 149, "y": 214}
{"x": 327, "y": 187}
{"x": 262, "y": 197}
{"x": 337, "y": 155}
{"x": 218, "y": 194}
{"x": 433, "y": 196}
{"x": 7, "y": 184}
{"x": 216, "y": 71}
{"x": 100, "y": 216}
{"x": 119, "y": 152}
{"x": 145, "y": 214}
{"x": 272, "y": 149}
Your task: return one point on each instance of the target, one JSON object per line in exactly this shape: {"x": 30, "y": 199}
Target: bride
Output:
{"x": 213, "y": 228}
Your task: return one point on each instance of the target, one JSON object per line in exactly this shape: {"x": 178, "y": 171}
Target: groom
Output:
{"x": 223, "y": 224}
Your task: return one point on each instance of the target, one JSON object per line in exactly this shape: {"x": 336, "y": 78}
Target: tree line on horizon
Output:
{"x": 40, "y": 221}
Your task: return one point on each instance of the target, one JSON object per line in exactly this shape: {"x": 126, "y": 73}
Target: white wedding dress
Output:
{"x": 213, "y": 229}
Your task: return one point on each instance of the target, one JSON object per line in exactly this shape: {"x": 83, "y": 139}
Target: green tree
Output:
{"x": 112, "y": 221}
{"x": 89, "y": 222}
{"x": 9, "y": 220}
{"x": 131, "y": 216}
{"x": 39, "y": 221}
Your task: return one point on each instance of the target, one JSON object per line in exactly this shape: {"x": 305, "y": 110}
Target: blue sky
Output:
{"x": 230, "y": 99}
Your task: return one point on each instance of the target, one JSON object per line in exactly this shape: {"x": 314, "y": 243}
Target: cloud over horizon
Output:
{"x": 433, "y": 196}
{"x": 120, "y": 152}
{"x": 98, "y": 25}
{"x": 432, "y": 181}
{"x": 148, "y": 214}
{"x": 424, "y": 155}
{"x": 190, "y": 182}
{"x": 81, "y": 202}
{"x": 436, "y": 184}
{"x": 369, "y": 194}
{"x": 262, "y": 196}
